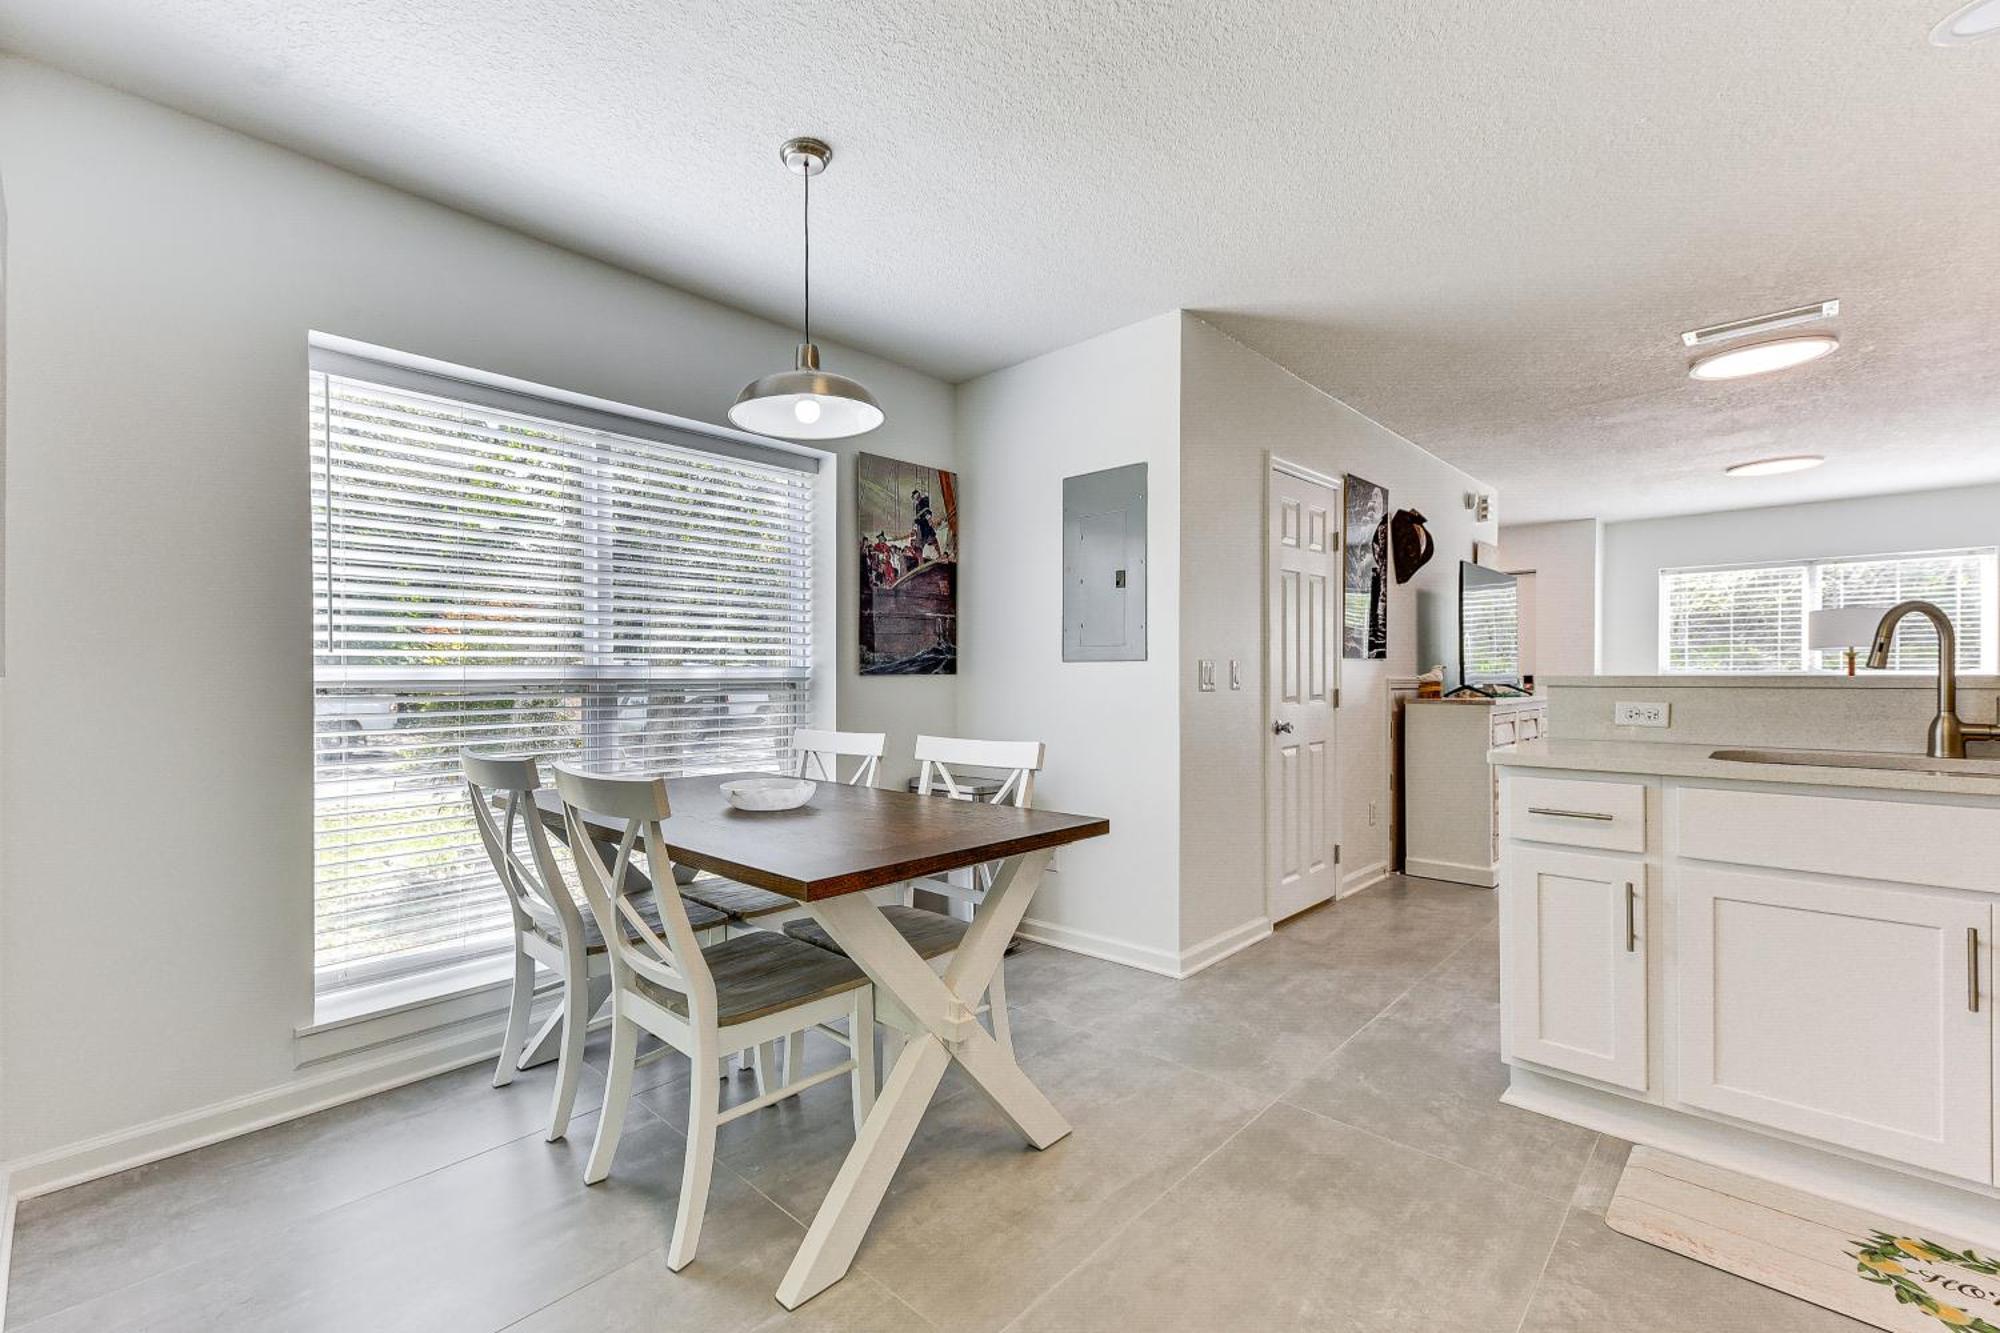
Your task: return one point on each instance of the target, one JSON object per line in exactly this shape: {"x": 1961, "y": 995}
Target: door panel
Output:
{"x": 1577, "y": 949}
{"x": 1839, "y": 1011}
{"x": 1302, "y": 652}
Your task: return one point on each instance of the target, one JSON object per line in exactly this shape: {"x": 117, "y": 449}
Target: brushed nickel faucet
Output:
{"x": 1948, "y": 733}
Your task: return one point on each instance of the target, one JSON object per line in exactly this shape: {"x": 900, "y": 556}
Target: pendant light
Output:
{"x": 805, "y": 402}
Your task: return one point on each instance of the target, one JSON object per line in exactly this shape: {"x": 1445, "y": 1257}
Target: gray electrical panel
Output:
{"x": 1104, "y": 566}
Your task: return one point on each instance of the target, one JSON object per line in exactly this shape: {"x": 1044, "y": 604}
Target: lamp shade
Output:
{"x": 806, "y": 403}
{"x": 1842, "y": 627}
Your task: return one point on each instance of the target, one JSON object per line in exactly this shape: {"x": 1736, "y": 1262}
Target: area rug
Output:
{"x": 1882, "y": 1272}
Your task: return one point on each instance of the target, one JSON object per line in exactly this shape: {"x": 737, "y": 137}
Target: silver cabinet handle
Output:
{"x": 1972, "y": 968}
{"x": 1631, "y": 919}
{"x": 1571, "y": 814}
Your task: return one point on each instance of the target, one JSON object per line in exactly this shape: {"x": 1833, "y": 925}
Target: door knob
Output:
{"x": 1281, "y": 728}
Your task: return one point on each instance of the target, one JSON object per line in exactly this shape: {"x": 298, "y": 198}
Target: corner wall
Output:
{"x": 1111, "y": 727}
{"x": 1237, "y": 406}
{"x": 1561, "y": 632}
{"x": 163, "y": 275}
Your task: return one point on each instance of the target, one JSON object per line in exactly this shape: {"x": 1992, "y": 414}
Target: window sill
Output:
{"x": 360, "y": 1017}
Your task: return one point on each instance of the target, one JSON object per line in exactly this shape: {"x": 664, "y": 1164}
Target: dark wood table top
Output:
{"x": 846, "y": 839}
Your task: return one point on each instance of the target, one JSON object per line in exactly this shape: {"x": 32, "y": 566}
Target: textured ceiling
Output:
{"x": 1483, "y": 222}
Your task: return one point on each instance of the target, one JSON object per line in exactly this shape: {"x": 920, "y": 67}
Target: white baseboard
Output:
{"x": 1484, "y": 877}
{"x": 1179, "y": 966}
{"x": 1091, "y": 945}
{"x": 1362, "y": 877}
{"x": 6, "y": 1235}
{"x": 169, "y": 1136}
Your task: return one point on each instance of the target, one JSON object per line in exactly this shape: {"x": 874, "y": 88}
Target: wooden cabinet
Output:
{"x": 1852, "y": 1014}
{"x": 1576, "y": 939}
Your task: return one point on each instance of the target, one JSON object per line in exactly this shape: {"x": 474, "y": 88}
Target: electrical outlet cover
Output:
{"x": 1639, "y": 714}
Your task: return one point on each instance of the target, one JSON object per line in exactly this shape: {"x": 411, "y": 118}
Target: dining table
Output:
{"x": 828, "y": 854}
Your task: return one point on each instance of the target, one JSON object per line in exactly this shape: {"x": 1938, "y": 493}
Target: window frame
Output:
{"x": 346, "y": 993}
{"x": 1988, "y": 648}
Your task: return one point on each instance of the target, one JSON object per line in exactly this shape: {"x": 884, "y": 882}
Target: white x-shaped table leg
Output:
{"x": 943, "y": 1011}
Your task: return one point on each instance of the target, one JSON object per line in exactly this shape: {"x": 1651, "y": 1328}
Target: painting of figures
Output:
{"x": 906, "y": 517}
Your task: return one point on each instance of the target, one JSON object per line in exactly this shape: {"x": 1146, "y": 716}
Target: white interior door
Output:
{"x": 1302, "y": 674}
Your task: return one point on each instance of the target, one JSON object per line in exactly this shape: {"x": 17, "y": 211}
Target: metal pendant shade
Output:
{"x": 805, "y": 402}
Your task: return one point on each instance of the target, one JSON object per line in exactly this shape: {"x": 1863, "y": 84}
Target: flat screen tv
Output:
{"x": 1489, "y": 626}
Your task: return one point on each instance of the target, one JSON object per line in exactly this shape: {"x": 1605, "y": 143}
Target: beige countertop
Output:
{"x": 1978, "y": 777}
{"x": 1804, "y": 680}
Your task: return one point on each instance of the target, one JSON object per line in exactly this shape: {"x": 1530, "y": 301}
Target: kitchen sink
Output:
{"x": 1905, "y": 763}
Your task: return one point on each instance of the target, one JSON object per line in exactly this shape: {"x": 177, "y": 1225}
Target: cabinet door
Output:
{"x": 1852, "y": 1014}
{"x": 1576, "y": 984}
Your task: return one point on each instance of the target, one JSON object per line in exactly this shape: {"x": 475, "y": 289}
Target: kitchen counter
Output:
{"x": 1669, "y": 759}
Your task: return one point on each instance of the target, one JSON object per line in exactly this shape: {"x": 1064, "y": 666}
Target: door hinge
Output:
{"x": 1336, "y": 853}
{"x": 1336, "y": 698}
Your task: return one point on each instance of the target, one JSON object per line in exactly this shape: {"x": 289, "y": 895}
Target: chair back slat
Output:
{"x": 820, "y": 753}
{"x": 1018, "y": 760}
{"x": 674, "y": 960}
{"x": 537, "y": 893}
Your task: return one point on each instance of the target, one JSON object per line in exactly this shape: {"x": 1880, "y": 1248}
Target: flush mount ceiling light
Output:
{"x": 805, "y": 402}
{"x": 1772, "y": 467}
{"x": 1763, "y": 358}
{"x": 1968, "y": 23}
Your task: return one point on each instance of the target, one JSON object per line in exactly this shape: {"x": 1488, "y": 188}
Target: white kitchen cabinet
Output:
{"x": 1852, "y": 1014}
{"x": 1576, "y": 977}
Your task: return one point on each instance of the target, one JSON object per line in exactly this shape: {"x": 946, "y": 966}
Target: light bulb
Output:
{"x": 806, "y": 410}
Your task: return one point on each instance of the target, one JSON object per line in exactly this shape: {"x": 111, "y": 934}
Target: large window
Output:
{"x": 1752, "y": 618}
{"x": 496, "y": 577}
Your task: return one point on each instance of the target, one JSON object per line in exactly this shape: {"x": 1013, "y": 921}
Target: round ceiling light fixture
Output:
{"x": 1968, "y": 24}
{"x": 1773, "y": 467}
{"x": 1765, "y": 357}
{"x": 805, "y": 402}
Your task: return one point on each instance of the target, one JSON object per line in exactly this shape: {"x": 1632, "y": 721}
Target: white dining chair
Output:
{"x": 740, "y": 993}
{"x": 549, "y": 928}
{"x": 934, "y": 935}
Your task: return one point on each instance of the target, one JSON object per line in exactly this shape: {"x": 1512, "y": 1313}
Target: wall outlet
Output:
{"x": 1639, "y": 715}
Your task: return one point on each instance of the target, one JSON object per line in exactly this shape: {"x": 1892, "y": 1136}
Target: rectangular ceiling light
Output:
{"x": 1741, "y": 328}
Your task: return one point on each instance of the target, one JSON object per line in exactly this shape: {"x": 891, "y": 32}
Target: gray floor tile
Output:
{"x": 1597, "y": 1279}
{"x": 112, "y": 1232}
{"x": 1303, "y": 1223}
{"x": 1600, "y": 1176}
{"x": 1427, "y": 1073}
{"x": 645, "y": 1297}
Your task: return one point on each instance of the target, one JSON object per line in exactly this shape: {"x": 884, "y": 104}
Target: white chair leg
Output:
{"x": 569, "y": 1064}
{"x": 722, "y": 1068}
{"x": 795, "y": 1057}
{"x": 617, "y": 1091}
{"x": 704, "y": 1106}
{"x": 997, "y": 1020}
{"x": 517, "y": 1018}
{"x": 767, "y": 1075}
{"x": 893, "y": 1042}
{"x": 861, "y": 1037}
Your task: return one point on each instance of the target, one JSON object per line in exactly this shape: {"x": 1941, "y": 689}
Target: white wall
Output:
{"x": 155, "y": 783}
{"x": 1111, "y": 727}
{"x": 1560, "y": 617}
{"x": 1236, "y": 405}
{"x": 1636, "y": 552}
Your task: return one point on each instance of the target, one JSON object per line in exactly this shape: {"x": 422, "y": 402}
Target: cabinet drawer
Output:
{"x": 1949, "y": 846}
{"x": 1503, "y": 731}
{"x": 1610, "y": 816}
{"x": 1528, "y": 727}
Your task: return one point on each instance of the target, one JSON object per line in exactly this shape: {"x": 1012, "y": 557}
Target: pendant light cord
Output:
{"x": 807, "y": 225}
{"x": 807, "y": 221}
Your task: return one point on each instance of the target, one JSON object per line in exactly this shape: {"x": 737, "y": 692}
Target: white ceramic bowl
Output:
{"x": 768, "y": 793}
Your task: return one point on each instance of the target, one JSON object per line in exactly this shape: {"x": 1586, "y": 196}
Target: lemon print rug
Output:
{"x": 1891, "y": 1274}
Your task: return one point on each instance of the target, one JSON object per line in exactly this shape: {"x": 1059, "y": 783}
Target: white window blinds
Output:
{"x": 499, "y": 579}
{"x": 1960, "y": 583}
{"x": 1753, "y": 618}
{"x": 1492, "y": 631}
{"x": 1749, "y": 620}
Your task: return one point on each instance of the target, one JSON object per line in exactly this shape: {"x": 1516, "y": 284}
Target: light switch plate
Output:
{"x": 1639, "y": 714}
{"x": 1205, "y": 675}
{"x": 1235, "y": 674}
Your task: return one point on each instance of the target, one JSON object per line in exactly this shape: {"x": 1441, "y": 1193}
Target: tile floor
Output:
{"x": 1305, "y": 1136}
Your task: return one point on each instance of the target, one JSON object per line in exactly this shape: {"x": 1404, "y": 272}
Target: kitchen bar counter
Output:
{"x": 1975, "y": 777}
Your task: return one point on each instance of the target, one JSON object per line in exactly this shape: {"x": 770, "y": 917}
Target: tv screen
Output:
{"x": 1489, "y": 626}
